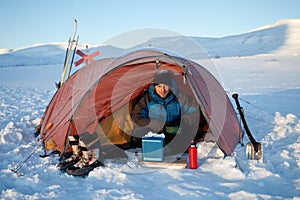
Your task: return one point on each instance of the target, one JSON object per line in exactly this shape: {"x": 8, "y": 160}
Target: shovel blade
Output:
{"x": 252, "y": 154}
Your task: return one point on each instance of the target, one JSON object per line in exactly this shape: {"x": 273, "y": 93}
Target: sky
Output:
{"x": 30, "y": 22}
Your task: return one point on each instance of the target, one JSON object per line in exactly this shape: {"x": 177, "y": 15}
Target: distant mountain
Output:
{"x": 279, "y": 38}
{"x": 282, "y": 37}
{"x": 48, "y": 54}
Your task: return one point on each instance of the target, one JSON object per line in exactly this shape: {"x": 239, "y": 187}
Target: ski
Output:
{"x": 67, "y": 51}
{"x": 135, "y": 163}
{"x": 69, "y": 54}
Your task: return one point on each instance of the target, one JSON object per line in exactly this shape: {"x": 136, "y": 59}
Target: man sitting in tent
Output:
{"x": 164, "y": 109}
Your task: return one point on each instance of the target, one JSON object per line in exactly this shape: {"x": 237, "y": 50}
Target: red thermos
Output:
{"x": 193, "y": 156}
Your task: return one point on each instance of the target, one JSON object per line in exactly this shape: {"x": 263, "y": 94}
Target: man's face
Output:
{"x": 162, "y": 90}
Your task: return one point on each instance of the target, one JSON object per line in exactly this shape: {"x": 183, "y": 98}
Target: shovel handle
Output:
{"x": 241, "y": 112}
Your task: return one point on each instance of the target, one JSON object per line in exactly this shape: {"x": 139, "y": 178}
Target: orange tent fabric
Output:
{"x": 97, "y": 98}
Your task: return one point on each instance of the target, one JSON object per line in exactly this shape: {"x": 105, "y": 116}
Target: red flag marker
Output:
{"x": 86, "y": 57}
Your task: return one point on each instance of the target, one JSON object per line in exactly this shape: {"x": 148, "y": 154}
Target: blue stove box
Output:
{"x": 152, "y": 148}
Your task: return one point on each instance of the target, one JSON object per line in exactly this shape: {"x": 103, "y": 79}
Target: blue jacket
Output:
{"x": 168, "y": 110}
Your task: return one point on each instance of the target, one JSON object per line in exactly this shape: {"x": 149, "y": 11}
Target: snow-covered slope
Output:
{"x": 48, "y": 54}
{"x": 280, "y": 38}
{"x": 292, "y": 37}
{"x": 35, "y": 55}
{"x": 6, "y": 50}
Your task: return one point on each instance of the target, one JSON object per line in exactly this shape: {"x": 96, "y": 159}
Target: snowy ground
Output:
{"x": 269, "y": 88}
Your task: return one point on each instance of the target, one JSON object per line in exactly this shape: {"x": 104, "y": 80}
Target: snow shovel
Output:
{"x": 253, "y": 148}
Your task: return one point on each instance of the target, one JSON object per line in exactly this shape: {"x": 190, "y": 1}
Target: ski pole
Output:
{"x": 73, "y": 57}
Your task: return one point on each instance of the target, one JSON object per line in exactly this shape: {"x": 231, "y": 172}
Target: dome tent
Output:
{"x": 95, "y": 102}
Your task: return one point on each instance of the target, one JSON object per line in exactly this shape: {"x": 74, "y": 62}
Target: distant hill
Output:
{"x": 279, "y": 38}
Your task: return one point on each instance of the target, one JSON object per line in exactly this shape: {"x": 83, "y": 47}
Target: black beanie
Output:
{"x": 163, "y": 77}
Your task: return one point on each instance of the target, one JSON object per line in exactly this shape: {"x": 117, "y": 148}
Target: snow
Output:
{"x": 269, "y": 89}
{"x": 151, "y": 134}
